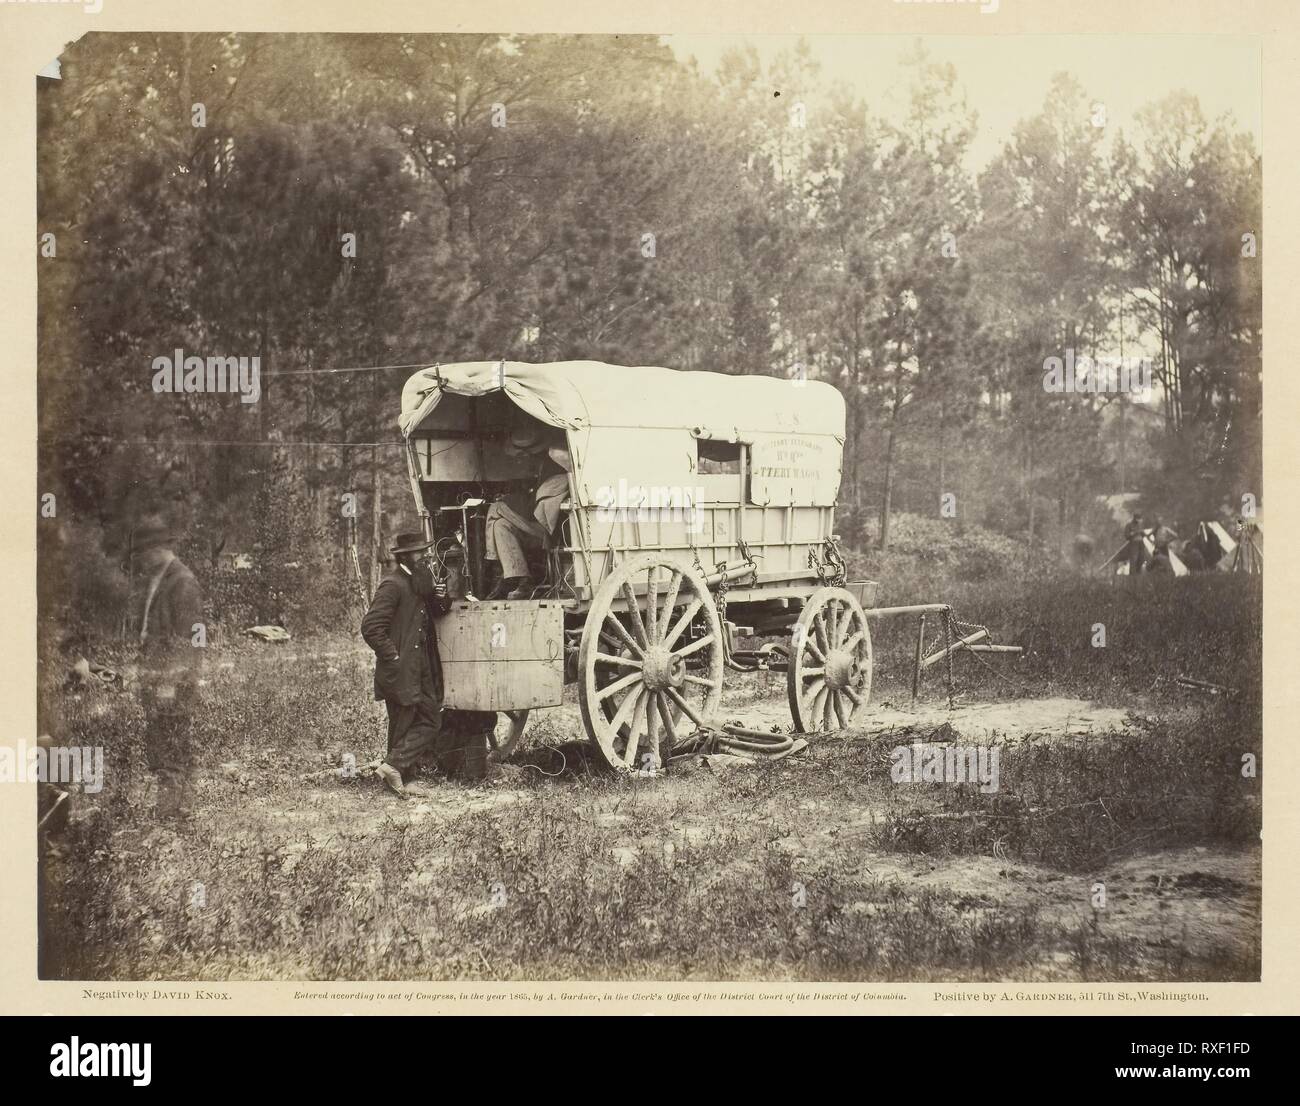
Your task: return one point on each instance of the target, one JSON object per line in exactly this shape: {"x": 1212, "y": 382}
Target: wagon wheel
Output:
{"x": 640, "y": 669}
{"x": 829, "y": 674}
{"x": 607, "y": 674}
{"x": 508, "y": 734}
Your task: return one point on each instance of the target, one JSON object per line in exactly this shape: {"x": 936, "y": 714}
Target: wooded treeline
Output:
{"x": 391, "y": 200}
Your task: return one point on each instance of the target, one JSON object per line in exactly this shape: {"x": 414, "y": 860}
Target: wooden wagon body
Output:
{"x": 700, "y": 512}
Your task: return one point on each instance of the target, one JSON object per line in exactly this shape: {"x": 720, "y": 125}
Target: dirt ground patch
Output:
{"x": 977, "y": 722}
{"x": 808, "y": 868}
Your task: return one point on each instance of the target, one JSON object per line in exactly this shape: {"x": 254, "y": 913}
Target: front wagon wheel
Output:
{"x": 651, "y": 652}
{"x": 508, "y": 735}
{"x": 828, "y": 678}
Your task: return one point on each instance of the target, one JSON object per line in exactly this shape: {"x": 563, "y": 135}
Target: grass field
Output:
{"x": 818, "y": 867}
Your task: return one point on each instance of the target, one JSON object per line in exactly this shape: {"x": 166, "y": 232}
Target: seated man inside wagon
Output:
{"x": 527, "y": 520}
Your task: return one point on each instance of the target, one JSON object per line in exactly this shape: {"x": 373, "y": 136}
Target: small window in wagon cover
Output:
{"x": 716, "y": 456}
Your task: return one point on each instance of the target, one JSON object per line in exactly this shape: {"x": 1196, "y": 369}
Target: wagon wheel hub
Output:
{"x": 841, "y": 668}
{"x": 663, "y": 669}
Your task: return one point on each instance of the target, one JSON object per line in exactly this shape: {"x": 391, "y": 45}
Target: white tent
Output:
{"x": 1121, "y": 564}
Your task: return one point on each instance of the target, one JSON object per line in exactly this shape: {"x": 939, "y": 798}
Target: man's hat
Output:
{"x": 150, "y": 532}
{"x": 410, "y": 542}
{"x": 523, "y": 440}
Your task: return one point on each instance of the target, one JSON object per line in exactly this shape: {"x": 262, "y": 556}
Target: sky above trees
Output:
{"x": 1004, "y": 76}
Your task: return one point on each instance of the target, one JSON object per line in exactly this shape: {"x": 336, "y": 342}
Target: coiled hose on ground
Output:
{"x": 740, "y": 740}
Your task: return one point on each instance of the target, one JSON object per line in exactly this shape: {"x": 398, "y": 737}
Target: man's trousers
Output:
{"x": 169, "y": 721}
{"x": 412, "y": 731}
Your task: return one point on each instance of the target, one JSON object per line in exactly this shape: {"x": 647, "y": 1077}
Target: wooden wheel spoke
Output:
{"x": 652, "y": 722}
{"x": 839, "y": 710}
{"x": 852, "y": 642}
{"x": 635, "y": 728}
{"x": 854, "y": 696}
{"x": 670, "y": 597}
{"x": 626, "y": 709}
{"x": 666, "y": 716}
{"x": 691, "y": 679}
{"x": 680, "y": 625}
{"x": 686, "y": 707}
{"x": 810, "y": 643}
{"x": 633, "y": 741}
{"x": 694, "y": 647}
{"x": 809, "y": 673}
{"x": 612, "y": 620}
{"x": 819, "y": 629}
{"x": 631, "y": 679}
{"x": 818, "y": 703}
{"x": 847, "y": 622}
{"x": 634, "y": 611}
{"x": 652, "y": 604}
{"x": 622, "y": 662}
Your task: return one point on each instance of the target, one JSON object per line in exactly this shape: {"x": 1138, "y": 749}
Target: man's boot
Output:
{"x": 391, "y": 778}
{"x": 504, "y": 587}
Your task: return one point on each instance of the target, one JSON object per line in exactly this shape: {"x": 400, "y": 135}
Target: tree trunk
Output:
{"x": 1029, "y": 486}
{"x": 851, "y": 453}
{"x": 942, "y": 472}
{"x": 887, "y": 498}
{"x": 377, "y": 525}
{"x": 1123, "y": 447}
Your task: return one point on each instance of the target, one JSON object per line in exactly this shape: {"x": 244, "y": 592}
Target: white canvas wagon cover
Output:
{"x": 639, "y": 423}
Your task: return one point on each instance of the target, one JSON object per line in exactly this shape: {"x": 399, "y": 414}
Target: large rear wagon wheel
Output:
{"x": 828, "y": 678}
{"x": 642, "y": 668}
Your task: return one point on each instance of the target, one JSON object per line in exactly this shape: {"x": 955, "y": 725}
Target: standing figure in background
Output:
{"x": 408, "y": 673}
{"x": 1135, "y": 552}
{"x": 1162, "y": 537}
{"x": 170, "y": 634}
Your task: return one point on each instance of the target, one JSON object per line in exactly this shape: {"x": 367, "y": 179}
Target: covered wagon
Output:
{"x": 694, "y": 535}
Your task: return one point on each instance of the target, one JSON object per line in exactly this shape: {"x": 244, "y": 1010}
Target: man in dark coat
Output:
{"x": 1135, "y": 552}
{"x": 408, "y": 674}
{"x": 169, "y": 625}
